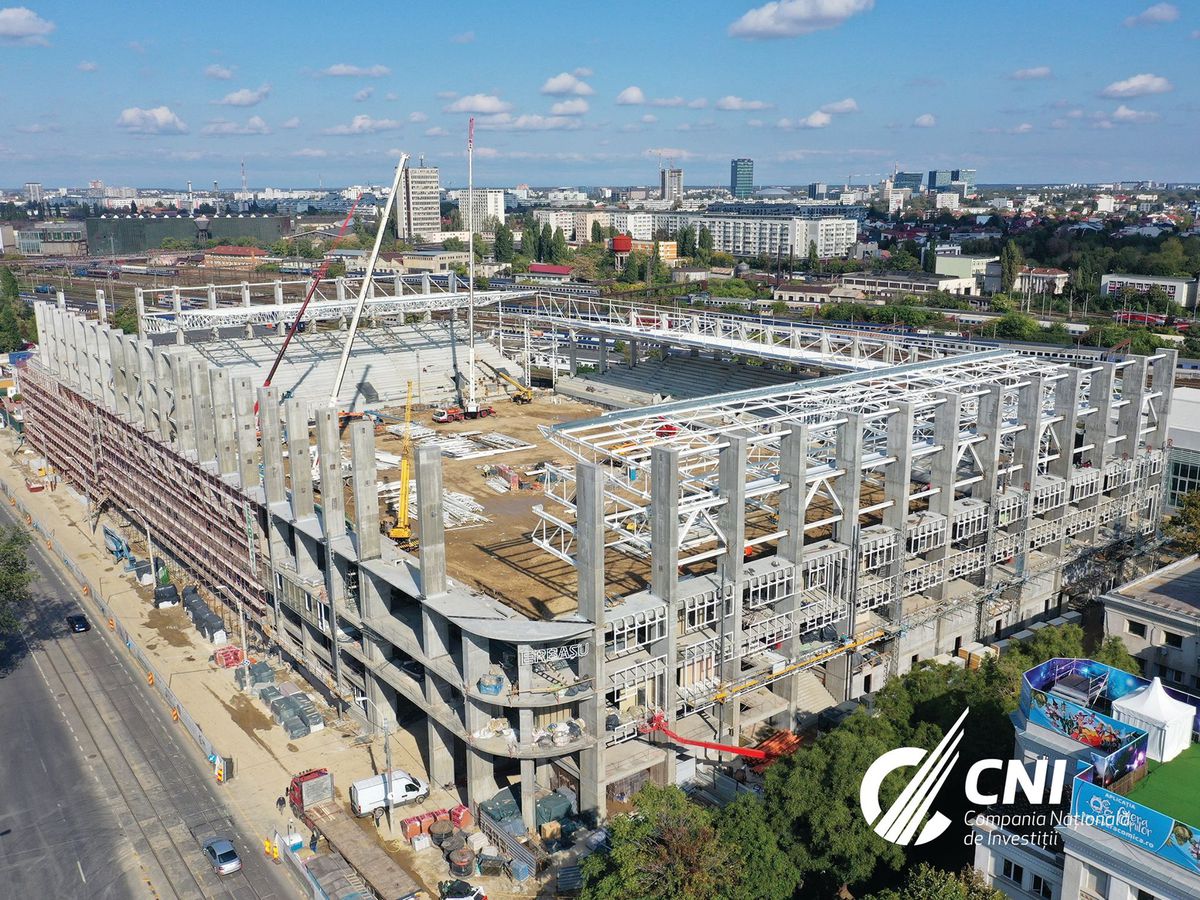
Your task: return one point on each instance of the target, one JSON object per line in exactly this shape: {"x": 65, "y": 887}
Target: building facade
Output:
{"x": 908, "y": 180}
{"x": 419, "y": 206}
{"x": 671, "y": 185}
{"x": 760, "y": 235}
{"x": 486, "y": 204}
{"x": 938, "y": 180}
{"x": 896, "y": 284}
{"x": 638, "y": 225}
{"x": 52, "y": 239}
{"x": 1178, "y": 290}
{"x": 1158, "y": 618}
{"x": 741, "y": 178}
{"x": 965, "y": 177}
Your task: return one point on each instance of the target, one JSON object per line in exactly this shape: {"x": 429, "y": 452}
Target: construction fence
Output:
{"x": 222, "y": 766}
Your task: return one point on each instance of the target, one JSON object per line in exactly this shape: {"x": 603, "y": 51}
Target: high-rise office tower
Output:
{"x": 672, "y": 184}
{"x": 418, "y": 207}
{"x": 741, "y": 178}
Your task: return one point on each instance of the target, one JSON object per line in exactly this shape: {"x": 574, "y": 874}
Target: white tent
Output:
{"x": 1168, "y": 721}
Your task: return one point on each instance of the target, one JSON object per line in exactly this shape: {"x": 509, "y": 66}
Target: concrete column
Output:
{"x": 429, "y": 521}
{"x": 942, "y": 475}
{"x": 247, "y": 433}
{"x": 441, "y": 754}
{"x": 299, "y": 460}
{"x": 897, "y": 488}
{"x": 633, "y": 354}
{"x": 150, "y": 387}
{"x": 224, "y": 428}
{"x": 44, "y": 337}
{"x": 589, "y": 566}
{"x": 164, "y": 394}
{"x": 1162, "y": 383}
{"x": 602, "y": 365}
{"x": 120, "y": 381}
{"x": 572, "y": 355}
{"x": 664, "y": 523}
{"x": 185, "y": 411}
{"x": 211, "y": 297}
{"x": 529, "y": 794}
{"x": 105, "y": 362}
{"x": 1026, "y": 450}
{"x": 366, "y": 496}
{"x": 133, "y": 378}
{"x": 847, "y": 488}
{"x": 246, "y": 304}
{"x": 1133, "y": 395}
{"x": 329, "y": 450}
{"x": 101, "y": 306}
{"x": 1066, "y": 410}
{"x": 202, "y": 404}
{"x": 139, "y": 303}
{"x": 177, "y": 305}
{"x": 731, "y": 519}
{"x": 793, "y": 511}
{"x": 272, "y": 445}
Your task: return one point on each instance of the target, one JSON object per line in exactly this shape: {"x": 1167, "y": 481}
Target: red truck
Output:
{"x": 457, "y": 414}
{"x": 312, "y": 799}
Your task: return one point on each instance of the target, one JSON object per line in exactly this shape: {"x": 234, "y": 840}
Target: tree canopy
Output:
{"x": 15, "y": 575}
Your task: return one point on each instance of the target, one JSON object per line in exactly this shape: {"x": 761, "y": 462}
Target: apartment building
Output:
{"x": 1179, "y": 290}
{"x": 1158, "y": 618}
{"x": 767, "y": 236}
{"x": 418, "y": 207}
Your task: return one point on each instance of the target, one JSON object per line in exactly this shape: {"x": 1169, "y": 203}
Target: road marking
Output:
{"x": 80, "y": 867}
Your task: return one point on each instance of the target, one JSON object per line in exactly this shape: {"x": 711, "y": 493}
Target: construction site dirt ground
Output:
{"x": 237, "y": 723}
{"x": 498, "y": 558}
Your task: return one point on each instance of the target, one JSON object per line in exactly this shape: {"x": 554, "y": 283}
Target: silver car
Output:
{"x": 222, "y": 856}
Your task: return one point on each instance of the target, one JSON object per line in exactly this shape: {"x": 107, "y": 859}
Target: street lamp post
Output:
{"x": 387, "y": 755}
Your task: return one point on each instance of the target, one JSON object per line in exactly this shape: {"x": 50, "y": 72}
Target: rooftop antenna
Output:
{"x": 472, "y": 405}
{"x": 243, "y": 174}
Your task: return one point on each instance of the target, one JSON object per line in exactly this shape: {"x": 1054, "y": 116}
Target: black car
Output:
{"x": 78, "y": 624}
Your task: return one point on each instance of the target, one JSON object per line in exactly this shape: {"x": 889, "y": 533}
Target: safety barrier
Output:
{"x": 179, "y": 712}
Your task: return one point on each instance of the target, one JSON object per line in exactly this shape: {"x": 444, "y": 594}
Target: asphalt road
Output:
{"x": 101, "y": 795}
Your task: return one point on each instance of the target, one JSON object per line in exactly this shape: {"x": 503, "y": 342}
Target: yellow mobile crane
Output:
{"x": 402, "y": 531}
{"x": 521, "y": 393}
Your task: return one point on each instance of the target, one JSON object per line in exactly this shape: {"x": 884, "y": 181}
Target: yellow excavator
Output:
{"x": 402, "y": 531}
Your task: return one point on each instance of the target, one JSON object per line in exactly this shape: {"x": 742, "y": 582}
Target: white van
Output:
{"x": 370, "y": 794}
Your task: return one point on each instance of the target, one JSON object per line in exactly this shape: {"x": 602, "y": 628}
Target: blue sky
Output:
{"x": 593, "y": 93}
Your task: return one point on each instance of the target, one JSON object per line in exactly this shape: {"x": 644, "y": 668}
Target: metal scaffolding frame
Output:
{"x": 759, "y": 337}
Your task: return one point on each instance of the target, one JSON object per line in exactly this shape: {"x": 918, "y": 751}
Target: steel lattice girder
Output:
{"x": 698, "y": 429}
{"x": 318, "y": 310}
{"x": 760, "y": 337}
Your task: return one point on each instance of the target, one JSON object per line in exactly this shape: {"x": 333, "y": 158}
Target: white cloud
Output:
{"x": 1031, "y": 74}
{"x": 1138, "y": 86}
{"x": 364, "y": 94}
{"x": 817, "y": 119}
{"x": 754, "y": 123}
{"x": 841, "y": 107}
{"x": 566, "y": 83}
{"x": 1023, "y": 128}
{"x": 87, "y": 66}
{"x": 436, "y": 131}
{"x": 487, "y": 152}
{"x": 649, "y": 118}
{"x": 417, "y": 116}
{"x": 698, "y": 103}
{"x": 1158, "y": 14}
{"x": 253, "y": 125}
{"x": 508, "y": 122}
{"x": 792, "y": 18}
{"x": 37, "y": 128}
{"x": 446, "y": 95}
{"x": 465, "y": 37}
{"x": 479, "y": 103}
{"x": 310, "y": 152}
{"x": 576, "y": 106}
{"x": 667, "y": 101}
{"x": 219, "y": 72}
{"x": 926, "y": 120}
{"x": 1124, "y": 114}
{"x": 364, "y": 125}
{"x": 293, "y": 122}
{"x": 631, "y": 96}
{"x": 245, "y": 97}
{"x": 345, "y": 70}
{"x": 676, "y": 153}
{"x": 583, "y": 72}
{"x": 737, "y": 104}
{"x": 21, "y": 25}
{"x": 159, "y": 120}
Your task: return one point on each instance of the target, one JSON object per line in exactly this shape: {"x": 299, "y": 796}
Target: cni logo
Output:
{"x": 899, "y": 824}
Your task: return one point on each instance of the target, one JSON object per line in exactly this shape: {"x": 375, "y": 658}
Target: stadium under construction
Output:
{"x": 655, "y": 542}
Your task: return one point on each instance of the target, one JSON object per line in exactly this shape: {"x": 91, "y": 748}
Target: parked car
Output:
{"x": 222, "y": 856}
{"x": 79, "y": 624}
{"x": 460, "y": 890}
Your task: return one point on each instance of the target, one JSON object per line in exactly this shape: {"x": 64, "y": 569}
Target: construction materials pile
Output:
{"x": 207, "y": 622}
{"x": 459, "y": 510}
{"x": 292, "y": 709}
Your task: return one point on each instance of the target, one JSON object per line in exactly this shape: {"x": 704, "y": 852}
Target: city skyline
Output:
{"x": 809, "y": 89}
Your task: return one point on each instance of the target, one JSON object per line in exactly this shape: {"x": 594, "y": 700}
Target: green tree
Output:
{"x": 454, "y": 245}
{"x": 814, "y": 261}
{"x": 597, "y": 231}
{"x": 15, "y": 575}
{"x": 704, "y": 244}
{"x": 903, "y": 261}
{"x": 125, "y": 318}
{"x": 669, "y": 850}
{"x": 1011, "y": 262}
{"x": 927, "y": 883}
{"x": 558, "y": 247}
{"x": 545, "y": 244}
{"x": 503, "y": 249}
{"x": 1184, "y": 527}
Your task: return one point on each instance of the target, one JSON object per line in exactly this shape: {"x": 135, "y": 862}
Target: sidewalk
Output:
{"x": 239, "y": 725}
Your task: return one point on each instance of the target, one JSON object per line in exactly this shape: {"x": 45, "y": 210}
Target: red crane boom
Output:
{"x": 658, "y": 722}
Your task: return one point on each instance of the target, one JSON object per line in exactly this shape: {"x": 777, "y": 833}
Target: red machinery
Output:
{"x": 658, "y": 723}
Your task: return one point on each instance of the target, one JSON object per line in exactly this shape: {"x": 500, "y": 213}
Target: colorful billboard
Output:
{"x": 1174, "y": 841}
